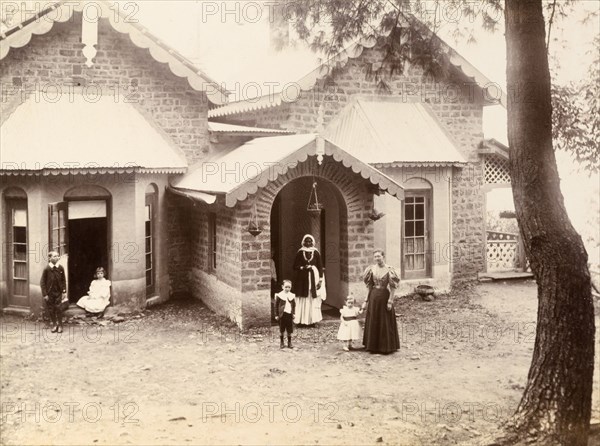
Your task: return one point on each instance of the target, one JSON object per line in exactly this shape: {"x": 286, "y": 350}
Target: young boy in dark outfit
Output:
{"x": 54, "y": 285}
{"x": 285, "y": 307}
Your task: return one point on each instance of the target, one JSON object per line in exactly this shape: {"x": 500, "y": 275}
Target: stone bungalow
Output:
{"x": 424, "y": 132}
{"x": 97, "y": 116}
{"x": 122, "y": 168}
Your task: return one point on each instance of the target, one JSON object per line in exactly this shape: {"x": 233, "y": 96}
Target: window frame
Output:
{"x": 12, "y": 205}
{"x": 150, "y": 216}
{"x": 428, "y": 235}
{"x": 212, "y": 241}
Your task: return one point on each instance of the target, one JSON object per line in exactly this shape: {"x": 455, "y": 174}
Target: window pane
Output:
{"x": 149, "y": 278}
{"x": 20, "y": 287}
{"x": 61, "y": 237}
{"x": 20, "y": 217}
{"x": 148, "y": 244}
{"x": 410, "y": 265}
{"x": 420, "y": 261}
{"x": 409, "y": 229}
{"x": 148, "y": 228}
{"x": 20, "y": 234}
{"x": 409, "y": 246}
{"x": 420, "y": 211}
{"x": 54, "y": 240}
{"x": 419, "y": 199}
{"x": 148, "y": 213}
{"x": 148, "y": 261}
{"x": 61, "y": 218}
{"x": 20, "y": 271}
{"x": 420, "y": 245}
{"x": 20, "y": 251}
{"x": 410, "y": 200}
{"x": 420, "y": 228}
{"x": 410, "y": 212}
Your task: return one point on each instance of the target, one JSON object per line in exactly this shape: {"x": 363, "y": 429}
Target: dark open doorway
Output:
{"x": 88, "y": 249}
{"x": 290, "y": 221}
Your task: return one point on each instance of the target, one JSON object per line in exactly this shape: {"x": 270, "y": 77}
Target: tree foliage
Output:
{"x": 576, "y": 116}
{"x": 407, "y": 32}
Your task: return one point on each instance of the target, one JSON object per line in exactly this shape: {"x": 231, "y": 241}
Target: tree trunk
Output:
{"x": 556, "y": 404}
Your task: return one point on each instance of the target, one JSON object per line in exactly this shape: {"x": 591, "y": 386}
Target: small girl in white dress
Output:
{"x": 349, "y": 327}
{"x": 98, "y": 297}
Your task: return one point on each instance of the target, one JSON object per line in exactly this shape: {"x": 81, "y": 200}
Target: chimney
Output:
{"x": 279, "y": 25}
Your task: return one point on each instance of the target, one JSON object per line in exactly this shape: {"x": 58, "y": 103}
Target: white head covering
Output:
{"x": 305, "y": 248}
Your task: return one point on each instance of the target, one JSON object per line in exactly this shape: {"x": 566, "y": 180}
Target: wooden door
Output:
{"x": 58, "y": 234}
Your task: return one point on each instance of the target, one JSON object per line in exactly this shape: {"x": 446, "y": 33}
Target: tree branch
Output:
{"x": 550, "y": 21}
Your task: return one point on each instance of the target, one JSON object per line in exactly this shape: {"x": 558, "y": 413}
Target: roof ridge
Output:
{"x": 353, "y": 51}
{"x": 159, "y": 50}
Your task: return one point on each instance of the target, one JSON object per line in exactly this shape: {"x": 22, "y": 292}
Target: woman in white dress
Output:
{"x": 98, "y": 297}
{"x": 308, "y": 280}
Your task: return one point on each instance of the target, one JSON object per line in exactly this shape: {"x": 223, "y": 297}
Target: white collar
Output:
{"x": 52, "y": 265}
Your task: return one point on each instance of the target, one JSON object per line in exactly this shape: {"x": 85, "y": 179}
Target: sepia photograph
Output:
{"x": 300, "y": 222}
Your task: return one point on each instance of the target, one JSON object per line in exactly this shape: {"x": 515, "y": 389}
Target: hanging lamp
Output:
{"x": 253, "y": 226}
{"x": 313, "y": 200}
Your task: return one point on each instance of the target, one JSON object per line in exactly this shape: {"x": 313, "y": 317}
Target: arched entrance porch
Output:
{"x": 290, "y": 221}
{"x": 81, "y": 235}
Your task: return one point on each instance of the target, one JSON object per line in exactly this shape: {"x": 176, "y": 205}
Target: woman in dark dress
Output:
{"x": 308, "y": 278}
{"x": 381, "y": 330}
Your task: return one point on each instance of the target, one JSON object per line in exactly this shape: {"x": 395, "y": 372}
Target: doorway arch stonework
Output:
{"x": 356, "y": 238}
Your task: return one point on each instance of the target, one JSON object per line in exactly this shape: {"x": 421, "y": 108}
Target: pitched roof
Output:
{"x": 353, "y": 51}
{"x": 242, "y": 171}
{"x": 61, "y": 11}
{"x": 76, "y": 135}
{"x": 385, "y": 131}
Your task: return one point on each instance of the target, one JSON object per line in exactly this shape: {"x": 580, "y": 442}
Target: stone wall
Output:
{"x": 178, "y": 216}
{"x": 456, "y": 101}
{"x": 53, "y": 63}
{"x": 239, "y": 287}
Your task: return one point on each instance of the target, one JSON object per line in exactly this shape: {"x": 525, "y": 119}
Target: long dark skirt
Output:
{"x": 381, "y": 330}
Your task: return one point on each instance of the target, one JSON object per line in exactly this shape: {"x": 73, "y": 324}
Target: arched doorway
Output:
{"x": 290, "y": 221}
{"x": 87, "y": 236}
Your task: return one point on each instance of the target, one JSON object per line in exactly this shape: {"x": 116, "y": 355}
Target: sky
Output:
{"x": 229, "y": 40}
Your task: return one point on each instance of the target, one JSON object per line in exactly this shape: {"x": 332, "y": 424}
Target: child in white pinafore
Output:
{"x": 349, "y": 327}
{"x": 98, "y": 297}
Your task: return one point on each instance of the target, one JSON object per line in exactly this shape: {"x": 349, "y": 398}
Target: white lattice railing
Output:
{"x": 496, "y": 170}
{"x": 503, "y": 251}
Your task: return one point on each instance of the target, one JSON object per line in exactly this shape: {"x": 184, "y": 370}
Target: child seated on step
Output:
{"x": 98, "y": 297}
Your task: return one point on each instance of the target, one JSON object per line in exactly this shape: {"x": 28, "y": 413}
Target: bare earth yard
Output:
{"x": 178, "y": 374}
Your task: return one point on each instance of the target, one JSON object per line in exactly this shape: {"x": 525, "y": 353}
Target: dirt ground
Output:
{"x": 178, "y": 374}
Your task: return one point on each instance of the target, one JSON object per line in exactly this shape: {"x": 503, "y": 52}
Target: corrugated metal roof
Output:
{"x": 218, "y": 127}
{"x": 76, "y": 133}
{"x": 225, "y": 171}
{"x": 243, "y": 170}
{"x": 392, "y": 132}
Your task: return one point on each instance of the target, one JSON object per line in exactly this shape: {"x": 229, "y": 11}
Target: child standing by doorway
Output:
{"x": 285, "y": 308}
{"x": 54, "y": 286}
{"x": 349, "y": 327}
